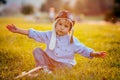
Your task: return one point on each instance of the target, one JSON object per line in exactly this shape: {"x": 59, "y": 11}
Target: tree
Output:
{"x": 51, "y": 3}
{"x": 3, "y": 1}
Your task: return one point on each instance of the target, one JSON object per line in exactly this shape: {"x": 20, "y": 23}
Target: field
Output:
{"x": 16, "y": 52}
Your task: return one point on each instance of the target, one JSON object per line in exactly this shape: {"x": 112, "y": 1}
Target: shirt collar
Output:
{"x": 62, "y": 37}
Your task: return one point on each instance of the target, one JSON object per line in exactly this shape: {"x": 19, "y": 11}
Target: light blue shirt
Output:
{"x": 64, "y": 51}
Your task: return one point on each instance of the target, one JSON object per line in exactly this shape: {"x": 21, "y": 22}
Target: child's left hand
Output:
{"x": 102, "y": 54}
{"x": 98, "y": 54}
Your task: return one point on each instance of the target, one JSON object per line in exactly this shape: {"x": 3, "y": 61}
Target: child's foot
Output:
{"x": 32, "y": 75}
{"x": 36, "y": 73}
{"x": 46, "y": 70}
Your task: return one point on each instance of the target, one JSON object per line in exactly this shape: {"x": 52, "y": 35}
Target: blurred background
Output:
{"x": 45, "y": 10}
{"x": 98, "y": 26}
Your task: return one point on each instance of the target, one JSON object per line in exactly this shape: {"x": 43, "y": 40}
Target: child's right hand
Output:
{"x": 12, "y": 28}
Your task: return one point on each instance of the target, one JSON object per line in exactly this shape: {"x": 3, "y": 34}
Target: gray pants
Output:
{"x": 42, "y": 59}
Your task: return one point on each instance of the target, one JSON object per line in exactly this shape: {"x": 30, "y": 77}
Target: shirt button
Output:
{"x": 56, "y": 54}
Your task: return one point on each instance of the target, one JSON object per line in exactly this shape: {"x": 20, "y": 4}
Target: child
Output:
{"x": 61, "y": 47}
{"x": 51, "y": 14}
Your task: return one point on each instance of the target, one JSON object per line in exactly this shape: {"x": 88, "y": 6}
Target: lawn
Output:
{"x": 16, "y": 52}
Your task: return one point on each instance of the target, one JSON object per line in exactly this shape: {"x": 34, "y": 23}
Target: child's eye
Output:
{"x": 66, "y": 26}
{"x": 60, "y": 24}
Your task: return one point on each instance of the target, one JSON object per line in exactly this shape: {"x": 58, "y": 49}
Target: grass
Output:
{"x": 16, "y": 52}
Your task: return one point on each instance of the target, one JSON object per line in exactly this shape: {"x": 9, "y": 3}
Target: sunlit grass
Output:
{"x": 16, "y": 52}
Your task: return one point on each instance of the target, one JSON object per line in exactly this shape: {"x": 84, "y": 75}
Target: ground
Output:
{"x": 16, "y": 51}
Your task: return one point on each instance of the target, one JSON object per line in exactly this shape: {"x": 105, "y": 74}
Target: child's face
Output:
{"x": 63, "y": 26}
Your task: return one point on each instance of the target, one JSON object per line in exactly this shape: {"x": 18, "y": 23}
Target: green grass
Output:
{"x": 16, "y": 52}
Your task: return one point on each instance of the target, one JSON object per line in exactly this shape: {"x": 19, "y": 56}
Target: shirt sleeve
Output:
{"x": 38, "y": 35}
{"x": 82, "y": 49}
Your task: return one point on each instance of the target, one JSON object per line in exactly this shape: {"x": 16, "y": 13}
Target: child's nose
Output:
{"x": 62, "y": 27}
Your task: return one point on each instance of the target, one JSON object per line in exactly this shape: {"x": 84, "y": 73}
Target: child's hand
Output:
{"x": 12, "y": 28}
{"x": 102, "y": 54}
{"x": 98, "y": 54}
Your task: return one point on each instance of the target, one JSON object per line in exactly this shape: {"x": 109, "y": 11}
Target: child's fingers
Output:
{"x": 103, "y": 54}
{"x": 9, "y": 27}
{"x": 14, "y": 27}
{"x": 12, "y": 24}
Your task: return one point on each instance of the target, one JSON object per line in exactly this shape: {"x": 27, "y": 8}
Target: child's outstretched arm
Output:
{"x": 98, "y": 54}
{"x": 15, "y": 29}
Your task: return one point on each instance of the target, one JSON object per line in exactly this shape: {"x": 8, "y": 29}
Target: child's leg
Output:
{"x": 42, "y": 59}
{"x": 39, "y": 56}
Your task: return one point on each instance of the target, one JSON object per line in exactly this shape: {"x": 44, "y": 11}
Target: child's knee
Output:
{"x": 37, "y": 51}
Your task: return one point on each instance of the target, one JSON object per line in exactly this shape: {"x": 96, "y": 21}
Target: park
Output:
{"x": 16, "y": 50}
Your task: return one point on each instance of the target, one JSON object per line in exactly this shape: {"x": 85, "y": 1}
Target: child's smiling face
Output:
{"x": 63, "y": 27}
